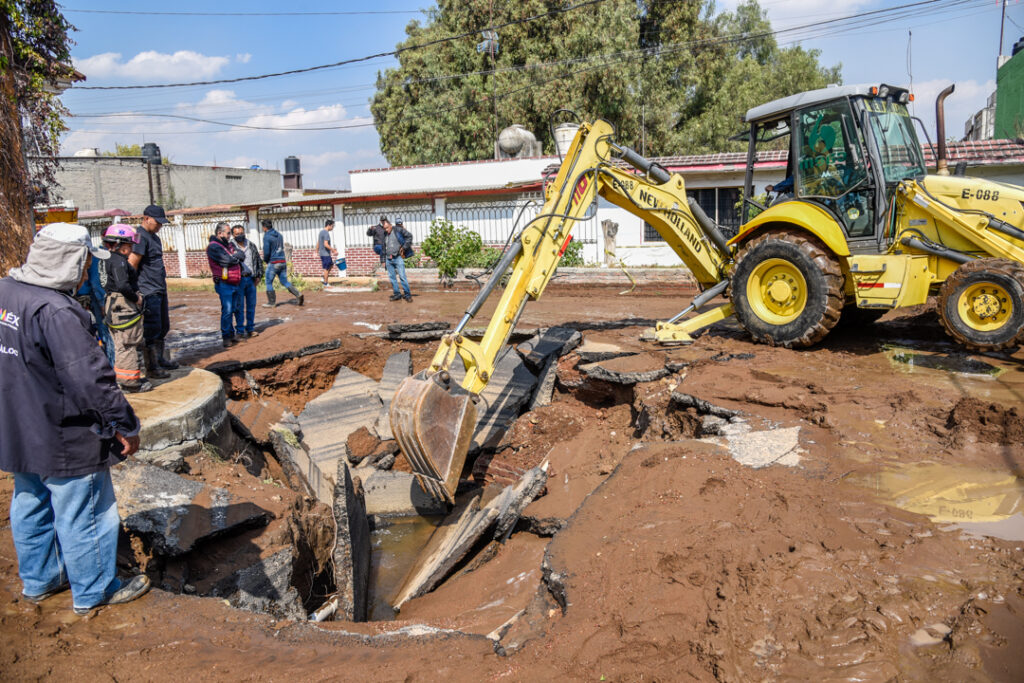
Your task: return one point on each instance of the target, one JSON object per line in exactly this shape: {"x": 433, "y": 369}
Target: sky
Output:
{"x": 946, "y": 44}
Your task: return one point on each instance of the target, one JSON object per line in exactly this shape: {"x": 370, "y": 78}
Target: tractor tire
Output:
{"x": 787, "y": 289}
{"x": 981, "y": 304}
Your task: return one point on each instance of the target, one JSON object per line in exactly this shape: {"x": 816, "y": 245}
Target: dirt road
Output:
{"x": 883, "y": 541}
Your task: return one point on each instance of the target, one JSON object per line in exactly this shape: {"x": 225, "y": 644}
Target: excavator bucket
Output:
{"x": 433, "y": 425}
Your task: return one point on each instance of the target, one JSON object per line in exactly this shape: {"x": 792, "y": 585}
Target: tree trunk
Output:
{"x": 16, "y": 218}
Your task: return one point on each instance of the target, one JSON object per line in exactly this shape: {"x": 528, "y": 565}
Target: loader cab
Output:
{"x": 848, "y": 147}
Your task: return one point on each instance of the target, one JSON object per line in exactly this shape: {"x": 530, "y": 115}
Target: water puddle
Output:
{"x": 396, "y": 542}
{"x": 981, "y": 502}
{"x": 908, "y": 360}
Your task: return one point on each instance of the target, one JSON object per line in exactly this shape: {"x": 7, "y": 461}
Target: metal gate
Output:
{"x": 358, "y": 219}
{"x": 299, "y": 226}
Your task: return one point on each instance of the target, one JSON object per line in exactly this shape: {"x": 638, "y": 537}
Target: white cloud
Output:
{"x": 968, "y": 98}
{"x": 300, "y": 117}
{"x": 152, "y": 66}
{"x": 243, "y": 58}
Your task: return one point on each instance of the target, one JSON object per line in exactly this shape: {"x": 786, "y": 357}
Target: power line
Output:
{"x": 239, "y": 14}
{"x": 843, "y": 24}
{"x": 379, "y": 55}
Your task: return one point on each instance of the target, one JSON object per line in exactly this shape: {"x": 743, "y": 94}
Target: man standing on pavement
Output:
{"x": 147, "y": 259}
{"x": 226, "y": 265}
{"x": 277, "y": 266}
{"x": 63, "y": 424}
{"x": 245, "y": 302}
{"x": 397, "y": 240}
{"x": 326, "y": 252}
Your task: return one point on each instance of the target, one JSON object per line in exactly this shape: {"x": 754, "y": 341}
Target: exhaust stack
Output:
{"x": 941, "y": 166}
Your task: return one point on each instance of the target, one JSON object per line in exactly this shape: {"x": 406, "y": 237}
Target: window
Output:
{"x": 829, "y": 162}
{"x": 650, "y": 234}
{"x": 233, "y": 177}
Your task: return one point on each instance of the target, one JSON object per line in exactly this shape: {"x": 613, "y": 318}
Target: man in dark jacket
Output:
{"x": 277, "y": 266}
{"x": 148, "y": 259}
{"x": 245, "y": 302}
{"x": 122, "y": 309}
{"x": 397, "y": 246}
{"x": 226, "y": 265}
{"x": 379, "y": 234}
{"x": 63, "y": 424}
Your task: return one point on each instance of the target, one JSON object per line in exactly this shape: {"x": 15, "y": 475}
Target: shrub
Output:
{"x": 451, "y": 247}
{"x": 573, "y": 256}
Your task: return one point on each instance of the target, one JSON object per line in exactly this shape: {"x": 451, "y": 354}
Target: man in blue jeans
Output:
{"x": 245, "y": 301}
{"x": 277, "y": 266}
{"x": 63, "y": 425}
{"x": 397, "y": 244}
{"x": 227, "y": 267}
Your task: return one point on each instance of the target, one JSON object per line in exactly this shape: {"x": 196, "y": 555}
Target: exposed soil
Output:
{"x": 669, "y": 559}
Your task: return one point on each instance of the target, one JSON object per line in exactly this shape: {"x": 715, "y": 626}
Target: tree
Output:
{"x": 124, "y": 150}
{"x": 672, "y": 76}
{"x": 34, "y": 57}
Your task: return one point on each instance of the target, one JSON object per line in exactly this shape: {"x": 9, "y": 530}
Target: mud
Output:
{"x": 891, "y": 551}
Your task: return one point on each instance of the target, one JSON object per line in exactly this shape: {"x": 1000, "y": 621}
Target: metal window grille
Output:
{"x": 298, "y": 226}
{"x": 358, "y": 219}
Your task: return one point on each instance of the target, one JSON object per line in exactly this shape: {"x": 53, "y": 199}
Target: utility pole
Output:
{"x": 1002, "y": 28}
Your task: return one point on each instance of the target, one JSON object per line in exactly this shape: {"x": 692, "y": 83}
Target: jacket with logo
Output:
{"x": 62, "y": 403}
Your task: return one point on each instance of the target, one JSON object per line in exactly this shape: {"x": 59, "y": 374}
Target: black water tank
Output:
{"x": 151, "y": 153}
{"x": 1018, "y": 46}
{"x": 291, "y": 165}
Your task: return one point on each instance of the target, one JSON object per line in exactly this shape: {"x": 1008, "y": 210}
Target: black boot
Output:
{"x": 297, "y": 294}
{"x": 153, "y": 369}
{"x": 163, "y": 358}
{"x": 136, "y": 386}
{"x": 271, "y": 299}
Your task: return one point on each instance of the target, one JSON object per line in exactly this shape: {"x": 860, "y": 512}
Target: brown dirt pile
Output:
{"x": 974, "y": 420}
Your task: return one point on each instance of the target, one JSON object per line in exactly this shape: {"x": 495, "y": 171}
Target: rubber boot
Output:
{"x": 271, "y": 299}
{"x": 153, "y": 369}
{"x": 297, "y": 294}
{"x": 137, "y": 386}
{"x": 164, "y": 358}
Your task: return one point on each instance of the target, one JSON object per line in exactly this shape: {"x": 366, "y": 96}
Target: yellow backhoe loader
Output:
{"x": 857, "y": 224}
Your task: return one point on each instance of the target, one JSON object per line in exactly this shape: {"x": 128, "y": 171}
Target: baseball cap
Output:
{"x": 156, "y": 212}
{"x": 72, "y": 233}
{"x": 399, "y": 222}
{"x": 383, "y": 219}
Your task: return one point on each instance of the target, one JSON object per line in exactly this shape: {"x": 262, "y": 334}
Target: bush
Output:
{"x": 573, "y": 256}
{"x": 451, "y": 247}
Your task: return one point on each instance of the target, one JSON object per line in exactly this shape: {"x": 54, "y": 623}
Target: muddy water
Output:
{"x": 395, "y": 544}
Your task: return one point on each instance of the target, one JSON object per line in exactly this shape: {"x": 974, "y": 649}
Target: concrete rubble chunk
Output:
{"x": 254, "y": 419}
{"x": 592, "y": 350}
{"x": 173, "y": 513}
{"x": 327, "y": 421}
{"x": 265, "y": 587}
{"x": 398, "y": 328}
{"x": 298, "y": 467}
{"x": 519, "y": 334}
{"x": 364, "y": 448}
{"x": 627, "y": 370}
{"x": 397, "y": 367}
{"x": 171, "y": 458}
{"x": 681, "y": 400}
{"x": 463, "y": 528}
{"x": 351, "y": 552}
{"x": 553, "y": 341}
{"x": 763, "y": 448}
{"x": 396, "y": 494}
{"x": 419, "y": 335}
{"x": 188, "y": 408}
{"x": 545, "y": 384}
{"x": 500, "y": 403}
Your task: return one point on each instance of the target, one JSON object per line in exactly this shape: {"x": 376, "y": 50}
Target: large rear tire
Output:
{"x": 981, "y": 304}
{"x": 787, "y": 289}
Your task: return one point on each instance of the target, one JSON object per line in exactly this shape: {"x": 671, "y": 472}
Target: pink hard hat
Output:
{"x": 120, "y": 232}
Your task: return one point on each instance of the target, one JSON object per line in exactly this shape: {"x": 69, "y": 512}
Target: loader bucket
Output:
{"x": 433, "y": 425}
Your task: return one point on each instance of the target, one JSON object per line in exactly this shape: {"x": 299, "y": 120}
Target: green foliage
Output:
{"x": 40, "y": 60}
{"x": 451, "y": 247}
{"x": 573, "y": 256}
{"x": 124, "y": 150}
{"x": 654, "y": 69}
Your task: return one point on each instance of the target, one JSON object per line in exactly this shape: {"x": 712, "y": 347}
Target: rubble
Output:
{"x": 351, "y": 552}
{"x": 547, "y": 343}
{"x": 397, "y": 494}
{"x": 266, "y": 586}
{"x": 173, "y": 513}
{"x": 256, "y": 418}
{"x": 467, "y": 524}
{"x": 627, "y": 370}
{"x": 396, "y": 369}
{"x": 227, "y": 367}
{"x": 762, "y": 448}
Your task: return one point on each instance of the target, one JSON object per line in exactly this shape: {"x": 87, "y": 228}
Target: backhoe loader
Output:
{"x": 857, "y": 224}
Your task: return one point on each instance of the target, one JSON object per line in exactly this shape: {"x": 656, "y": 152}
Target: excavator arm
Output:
{"x": 432, "y": 415}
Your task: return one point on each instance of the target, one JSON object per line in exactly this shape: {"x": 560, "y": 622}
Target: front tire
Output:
{"x": 981, "y": 304}
{"x": 787, "y": 289}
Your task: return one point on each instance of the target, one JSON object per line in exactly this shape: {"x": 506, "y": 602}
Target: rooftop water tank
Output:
{"x": 291, "y": 165}
{"x": 151, "y": 153}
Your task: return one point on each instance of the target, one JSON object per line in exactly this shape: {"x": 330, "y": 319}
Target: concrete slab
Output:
{"x": 397, "y": 494}
{"x": 327, "y": 421}
{"x": 256, "y": 418}
{"x": 553, "y": 341}
{"x": 763, "y": 448}
{"x": 397, "y": 368}
{"x": 186, "y": 408}
{"x": 595, "y": 349}
{"x": 351, "y": 552}
{"x": 628, "y": 370}
{"x": 510, "y": 388}
{"x": 174, "y": 513}
{"x": 265, "y": 587}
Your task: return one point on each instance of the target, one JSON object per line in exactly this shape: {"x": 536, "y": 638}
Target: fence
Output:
{"x": 415, "y": 217}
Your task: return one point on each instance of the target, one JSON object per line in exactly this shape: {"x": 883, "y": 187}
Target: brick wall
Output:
{"x": 360, "y": 261}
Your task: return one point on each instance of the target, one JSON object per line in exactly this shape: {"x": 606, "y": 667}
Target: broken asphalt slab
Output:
{"x": 173, "y": 513}
{"x": 634, "y": 369}
{"x": 351, "y": 551}
{"x": 226, "y": 367}
{"x": 551, "y": 342}
{"x": 266, "y": 587}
